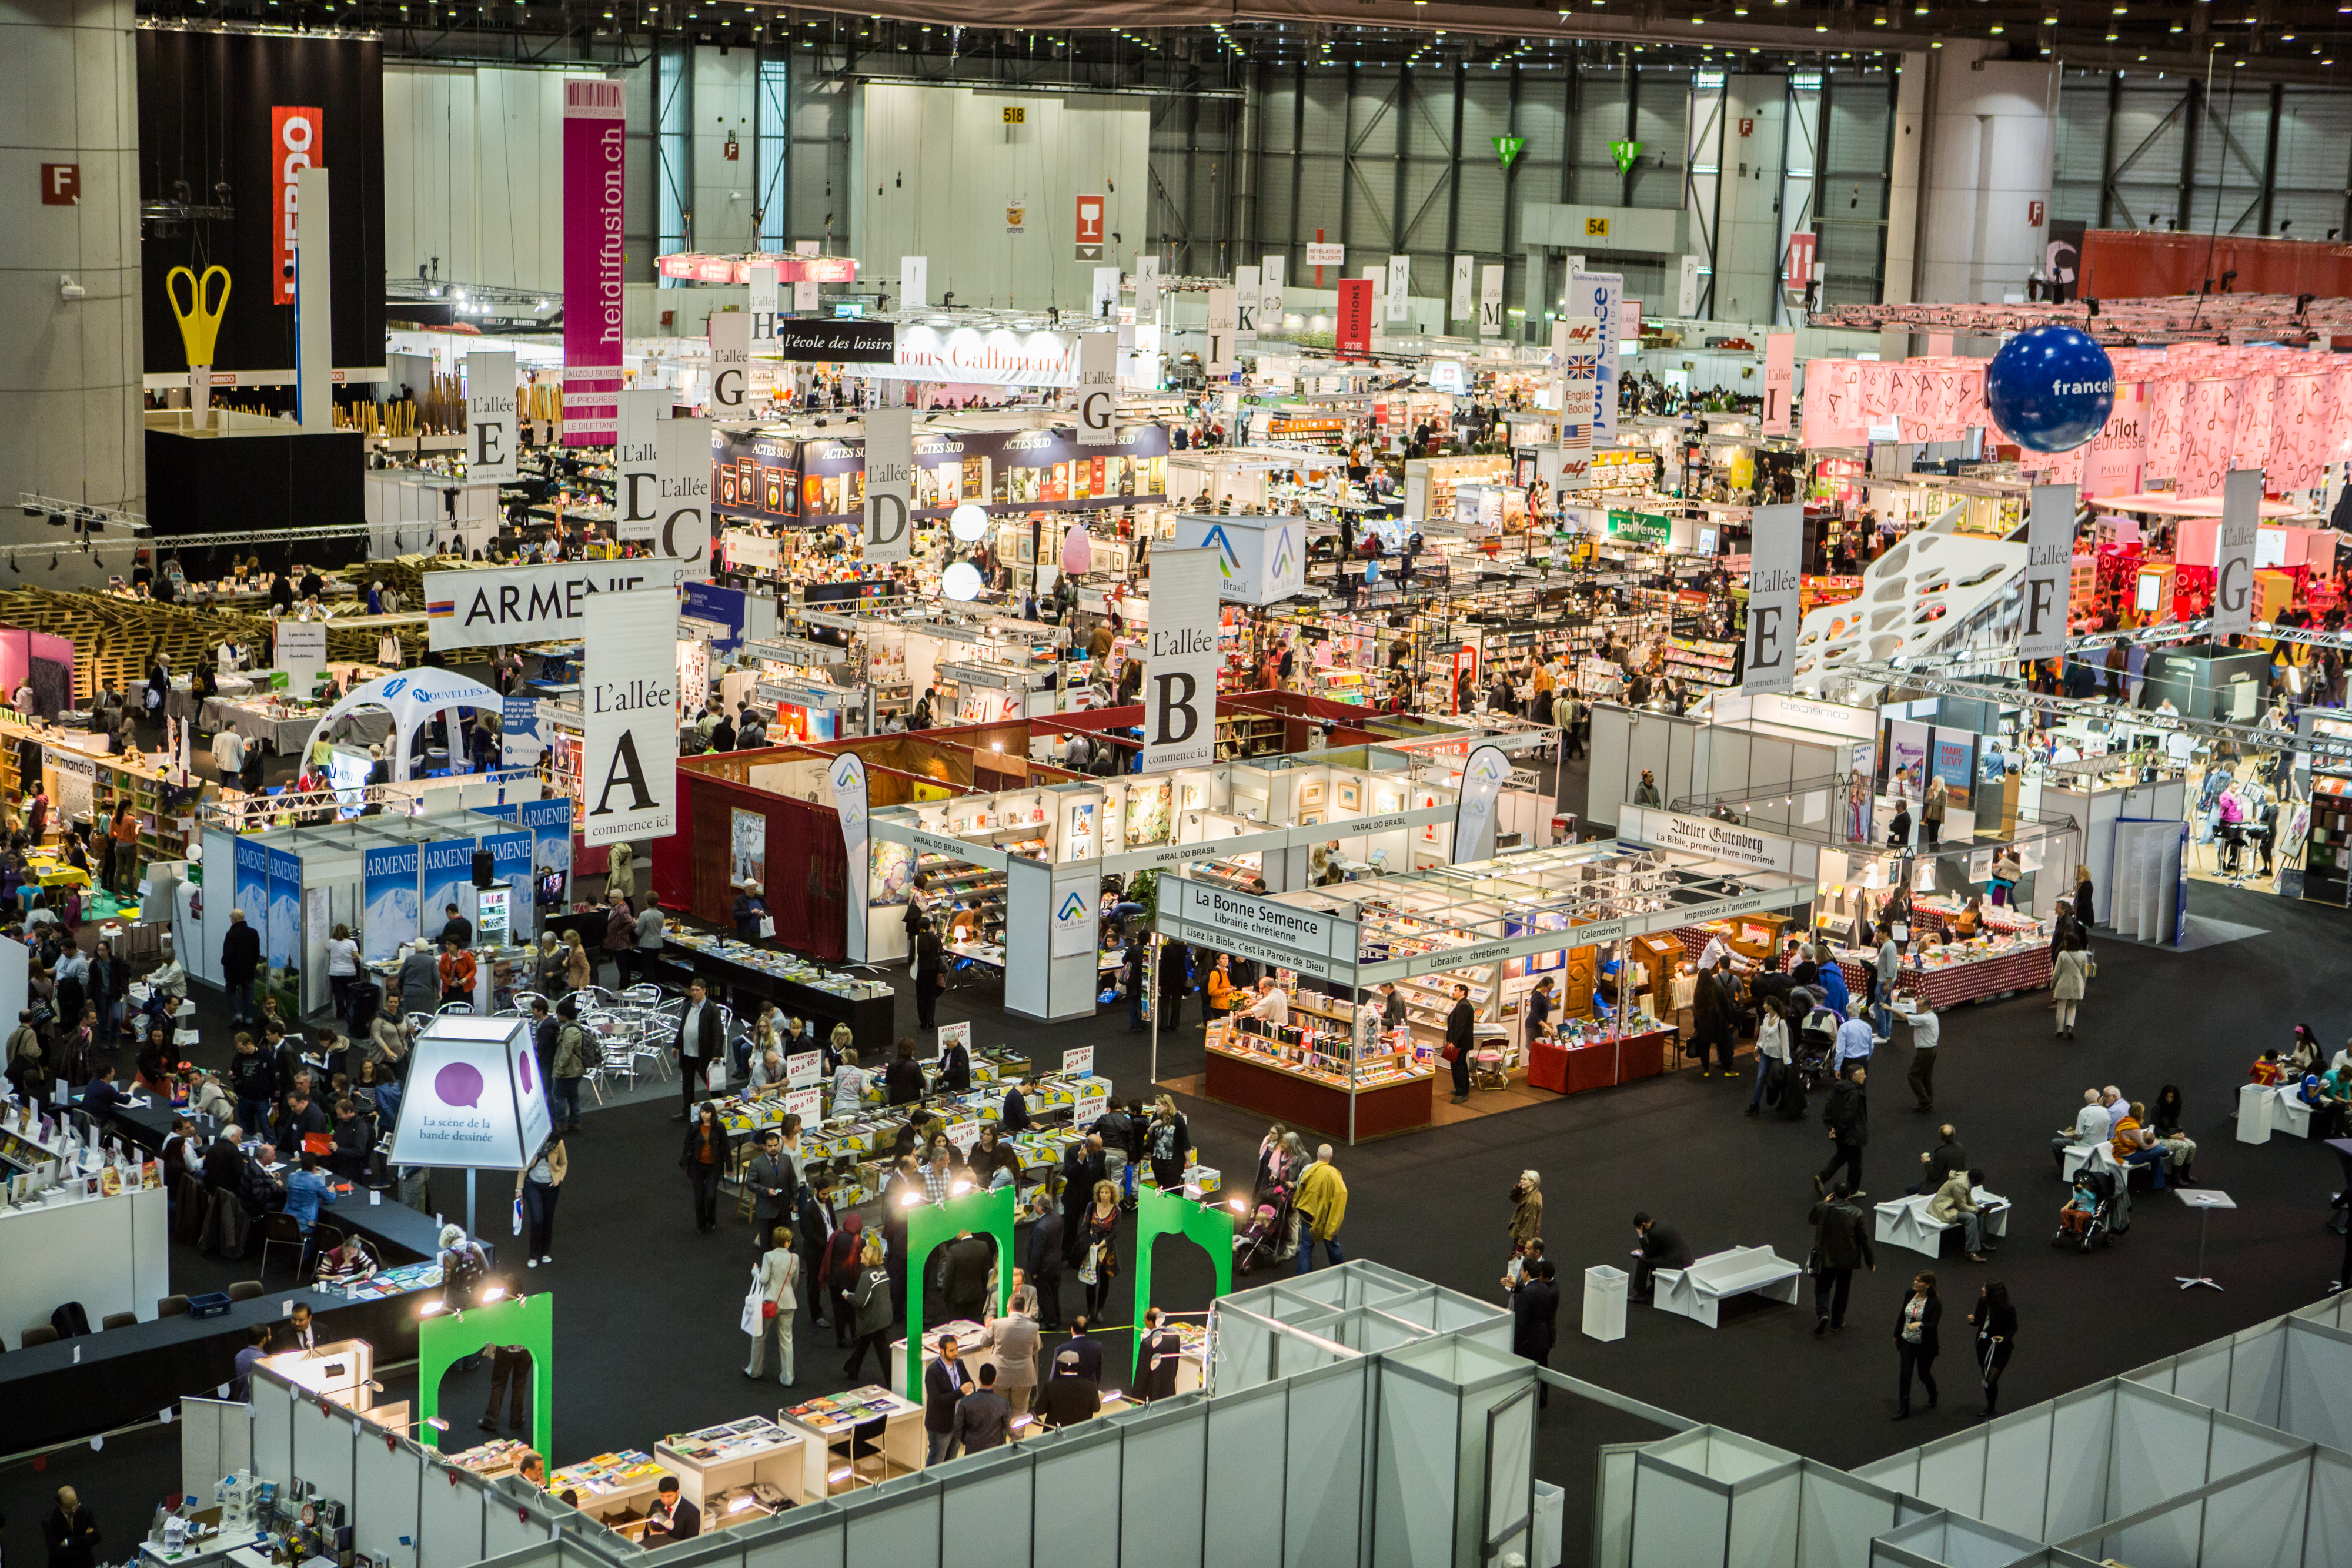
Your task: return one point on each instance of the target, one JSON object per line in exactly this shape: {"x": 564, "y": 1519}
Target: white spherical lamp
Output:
{"x": 968, "y": 522}
{"x": 961, "y": 581}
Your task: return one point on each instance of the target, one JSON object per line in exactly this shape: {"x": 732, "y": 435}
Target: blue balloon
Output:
{"x": 2051, "y": 389}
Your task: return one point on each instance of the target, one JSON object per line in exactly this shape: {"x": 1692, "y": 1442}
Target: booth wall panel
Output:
{"x": 1682, "y": 756}
{"x": 2327, "y": 1531}
{"x": 2207, "y": 1375}
{"x": 1610, "y": 774}
{"x": 2234, "y": 1449}
{"x": 1728, "y": 761}
{"x": 2167, "y": 1540}
{"x": 215, "y": 1440}
{"x": 1078, "y": 1492}
{"x": 2257, "y": 1378}
{"x": 1951, "y": 1475}
{"x": 2257, "y": 1523}
{"x": 1243, "y": 1354}
{"x": 1323, "y": 1473}
{"x": 322, "y": 1451}
{"x": 1505, "y": 1489}
{"x": 273, "y": 1429}
{"x": 807, "y": 863}
{"x": 2159, "y": 1452}
{"x": 506, "y": 1526}
{"x": 1412, "y": 1481}
{"x": 2316, "y": 1403}
{"x": 84, "y": 1253}
{"x": 1248, "y": 1439}
{"x": 1764, "y": 1522}
{"x": 901, "y": 1529}
{"x": 1161, "y": 1473}
{"x": 821, "y": 1546}
{"x": 1678, "y": 1519}
{"x": 1835, "y": 1519}
{"x": 2079, "y": 1441}
{"x": 451, "y": 1522}
{"x": 1612, "y": 1510}
{"x": 385, "y": 1508}
{"x": 992, "y": 1506}
{"x": 2017, "y": 1473}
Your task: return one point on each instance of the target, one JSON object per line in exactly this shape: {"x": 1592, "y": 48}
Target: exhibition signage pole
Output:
{"x": 2234, "y": 552}
{"x": 2049, "y": 571}
{"x": 594, "y": 174}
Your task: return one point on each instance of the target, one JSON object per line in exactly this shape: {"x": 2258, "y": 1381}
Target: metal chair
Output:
{"x": 452, "y": 1007}
{"x": 588, "y": 997}
{"x": 415, "y": 1021}
{"x": 522, "y": 1001}
{"x": 281, "y": 1230}
{"x": 644, "y": 994}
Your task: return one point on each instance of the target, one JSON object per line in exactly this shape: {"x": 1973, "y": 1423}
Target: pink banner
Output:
{"x": 594, "y": 167}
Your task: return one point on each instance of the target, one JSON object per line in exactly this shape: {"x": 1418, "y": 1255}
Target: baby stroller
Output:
{"x": 2110, "y": 1218}
{"x": 1261, "y": 1242}
{"x": 1811, "y": 1050}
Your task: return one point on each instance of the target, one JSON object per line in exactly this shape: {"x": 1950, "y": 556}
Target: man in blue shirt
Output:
{"x": 256, "y": 1346}
{"x": 1834, "y": 988}
{"x": 306, "y": 1189}
{"x": 1854, "y": 1040}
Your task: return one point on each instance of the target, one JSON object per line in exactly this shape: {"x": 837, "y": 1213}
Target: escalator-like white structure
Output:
{"x": 1935, "y": 592}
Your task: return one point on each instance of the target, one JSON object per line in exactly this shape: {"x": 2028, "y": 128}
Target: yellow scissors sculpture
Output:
{"x": 199, "y": 327}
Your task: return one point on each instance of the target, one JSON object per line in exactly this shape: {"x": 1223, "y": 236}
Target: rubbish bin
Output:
{"x": 1605, "y": 1292}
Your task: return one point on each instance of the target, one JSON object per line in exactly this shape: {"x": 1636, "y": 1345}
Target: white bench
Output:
{"x": 1696, "y": 1292}
{"x": 2265, "y": 1109}
{"x": 1904, "y": 1222}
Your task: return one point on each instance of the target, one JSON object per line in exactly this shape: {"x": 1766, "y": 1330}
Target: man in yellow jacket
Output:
{"x": 1322, "y": 1202}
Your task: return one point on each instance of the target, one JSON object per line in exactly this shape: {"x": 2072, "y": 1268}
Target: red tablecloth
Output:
{"x": 1548, "y": 1066}
{"x": 2028, "y": 971}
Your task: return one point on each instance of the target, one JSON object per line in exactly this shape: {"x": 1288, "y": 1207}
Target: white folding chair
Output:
{"x": 452, "y": 1007}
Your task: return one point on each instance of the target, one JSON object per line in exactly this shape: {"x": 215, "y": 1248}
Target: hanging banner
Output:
{"x": 1780, "y": 380}
{"x": 2234, "y": 552}
{"x": 888, "y": 533}
{"x": 1147, "y": 290}
{"x": 1270, "y": 277}
{"x": 1224, "y": 324}
{"x": 550, "y": 822}
{"x": 252, "y": 891}
{"x": 2049, "y": 571}
{"x": 284, "y": 936}
{"x": 1399, "y": 287}
{"x": 521, "y": 742}
{"x": 1457, "y": 307}
{"x": 767, "y": 304}
{"x": 804, "y": 289}
{"x": 914, "y": 282}
{"x": 387, "y": 902}
{"x": 1098, "y": 421}
{"x": 1687, "y": 289}
{"x": 594, "y": 174}
{"x": 446, "y": 872}
{"x": 849, "y": 803}
{"x": 1484, "y": 773}
{"x": 1090, "y": 228}
{"x": 1777, "y": 559}
{"x": 510, "y": 857}
{"x": 682, "y": 491}
{"x": 1490, "y": 302}
{"x": 1245, "y": 293}
{"x": 1601, "y": 296}
{"x": 1355, "y": 332}
{"x": 492, "y": 430}
{"x": 1179, "y": 671}
{"x": 838, "y": 341}
{"x": 637, "y": 509}
{"x": 296, "y": 143}
{"x": 730, "y": 364}
{"x": 628, "y": 696}
{"x": 1576, "y": 345}
{"x": 1105, "y": 295}
{"x": 491, "y": 607}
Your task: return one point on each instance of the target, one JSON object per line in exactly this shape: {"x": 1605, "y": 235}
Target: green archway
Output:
{"x": 932, "y": 1225}
{"x": 449, "y": 1336}
{"x": 1208, "y": 1225}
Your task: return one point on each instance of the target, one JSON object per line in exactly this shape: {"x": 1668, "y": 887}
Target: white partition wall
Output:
{"x": 215, "y": 1440}
{"x": 388, "y": 1479}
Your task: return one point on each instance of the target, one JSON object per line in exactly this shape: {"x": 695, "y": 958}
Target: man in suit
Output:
{"x": 674, "y": 1519}
{"x": 774, "y": 1187}
{"x": 701, "y": 1040}
{"x": 1069, "y": 1396}
{"x": 816, "y": 1231}
{"x": 983, "y": 1419}
{"x": 931, "y": 976}
{"x": 70, "y": 1532}
{"x": 1535, "y": 1307}
{"x": 1175, "y": 974}
{"x": 963, "y": 1276}
{"x": 1156, "y": 1358}
{"x": 1460, "y": 1035}
{"x": 1046, "y": 1261}
{"x": 1086, "y": 1347}
{"x": 1659, "y": 1248}
{"x": 1082, "y": 1166}
{"x": 240, "y": 955}
{"x": 945, "y": 1383}
{"x": 225, "y": 1161}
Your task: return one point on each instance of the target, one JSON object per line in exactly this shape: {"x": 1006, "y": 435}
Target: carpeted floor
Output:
{"x": 647, "y": 1309}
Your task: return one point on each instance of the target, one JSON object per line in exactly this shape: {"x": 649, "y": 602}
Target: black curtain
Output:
{"x": 205, "y": 103}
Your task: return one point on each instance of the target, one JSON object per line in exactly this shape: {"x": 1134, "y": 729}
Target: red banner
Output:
{"x": 294, "y": 137}
{"x": 1355, "y": 335}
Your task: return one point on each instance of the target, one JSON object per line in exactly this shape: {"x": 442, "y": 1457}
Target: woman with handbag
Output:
{"x": 871, "y": 1302}
{"x": 775, "y": 1298}
{"x": 2072, "y": 969}
{"x": 1996, "y": 1325}
{"x": 537, "y": 1190}
{"x": 1098, "y": 1249}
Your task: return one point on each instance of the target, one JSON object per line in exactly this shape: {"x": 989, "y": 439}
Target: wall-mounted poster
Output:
{"x": 388, "y": 902}
{"x": 747, "y": 858}
{"x": 1907, "y": 759}
{"x": 892, "y": 877}
{"x": 1956, "y": 765}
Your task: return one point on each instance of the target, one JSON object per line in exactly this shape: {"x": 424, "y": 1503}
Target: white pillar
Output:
{"x": 1747, "y": 239}
{"x": 1990, "y": 127}
{"x": 1903, "y": 177}
{"x": 314, "y": 303}
{"x": 70, "y": 422}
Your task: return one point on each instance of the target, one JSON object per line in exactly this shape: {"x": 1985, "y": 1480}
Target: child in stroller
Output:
{"x": 2089, "y": 1211}
{"x": 1264, "y": 1239}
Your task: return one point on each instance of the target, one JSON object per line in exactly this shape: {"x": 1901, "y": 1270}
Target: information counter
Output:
{"x": 1249, "y": 1070}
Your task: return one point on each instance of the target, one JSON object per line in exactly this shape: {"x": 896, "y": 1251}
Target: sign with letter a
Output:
{"x": 1180, "y": 669}
{"x": 628, "y": 698}
{"x": 2049, "y": 571}
{"x": 889, "y": 483}
{"x": 491, "y": 428}
{"x": 1098, "y": 389}
{"x": 1777, "y": 559}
